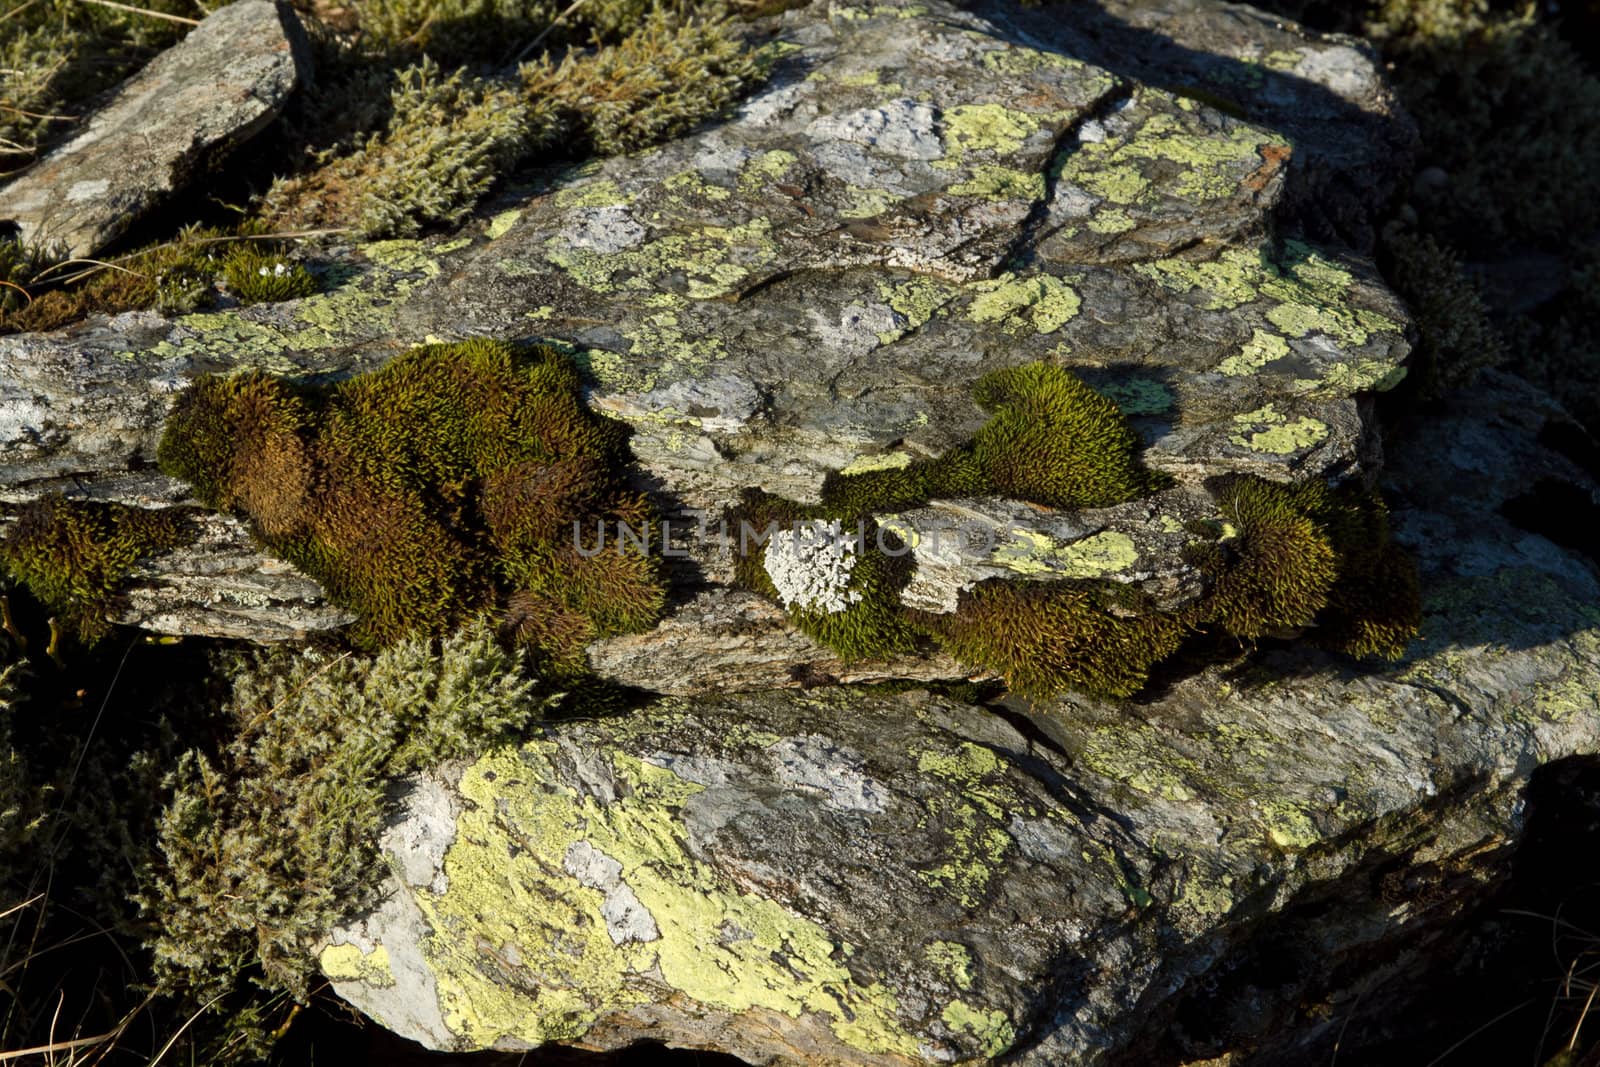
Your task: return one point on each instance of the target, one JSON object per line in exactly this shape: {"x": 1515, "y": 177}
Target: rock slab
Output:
{"x": 212, "y": 91}
{"x": 865, "y": 877}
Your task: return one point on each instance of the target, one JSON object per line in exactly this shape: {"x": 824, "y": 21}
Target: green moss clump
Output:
{"x": 1050, "y": 440}
{"x": 874, "y": 625}
{"x": 1096, "y": 637}
{"x": 258, "y": 275}
{"x": 173, "y": 278}
{"x": 272, "y": 841}
{"x": 1308, "y": 556}
{"x": 445, "y": 484}
{"x": 1456, "y": 340}
{"x": 73, "y": 555}
{"x": 1273, "y": 575}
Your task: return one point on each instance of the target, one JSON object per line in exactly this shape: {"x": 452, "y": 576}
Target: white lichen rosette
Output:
{"x": 810, "y": 566}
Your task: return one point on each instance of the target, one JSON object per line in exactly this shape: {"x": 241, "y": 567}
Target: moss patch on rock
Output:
{"x": 1278, "y": 561}
{"x": 449, "y": 483}
{"x": 73, "y": 555}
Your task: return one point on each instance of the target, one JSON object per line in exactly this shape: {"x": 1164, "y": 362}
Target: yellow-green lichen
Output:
{"x": 521, "y": 949}
{"x": 952, "y": 961}
{"x": 1043, "y": 301}
{"x": 884, "y": 462}
{"x": 1287, "y": 825}
{"x": 602, "y": 193}
{"x": 1138, "y": 167}
{"x": 347, "y": 963}
{"x": 867, "y": 203}
{"x": 1268, "y": 430}
{"x": 992, "y": 1029}
{"x": 661, "y": 336}
{"x": 765, "y": 168}
{"x": 918, "y": 298}
{"x": 1014, "y": 61}
{"x": 501, "y": 224}
{"x": 703, "y": 258}
{"x": 995, "y": 182}
{"x": 986, "y": 128}
{"x": 973, "y": 815}
{"x": 1095, "y": 556}
{"x": 1261, "y": 349}
{"x": 1310, "y": 293}
{"x": 1111, "y": 221}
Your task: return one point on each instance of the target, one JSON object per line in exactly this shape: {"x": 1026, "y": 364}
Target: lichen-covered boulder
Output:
{"x": 871, "y": 876}
{"x": 919, "y": 195}
{"x": 188, "y": 107}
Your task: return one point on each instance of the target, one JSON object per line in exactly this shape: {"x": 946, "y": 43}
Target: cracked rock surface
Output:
{"x": 919, "y": 195}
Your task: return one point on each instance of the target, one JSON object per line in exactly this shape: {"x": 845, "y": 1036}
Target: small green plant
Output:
{"x": 448, "y": 483}
{"x": 273, "y": 840}
{"x": 73, "y": 555}
{"x": 21, "y": 264}
{"x": 260, "y": 275}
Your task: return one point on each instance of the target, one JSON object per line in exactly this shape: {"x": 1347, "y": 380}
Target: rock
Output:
{"x": 919, "y": 195}
{"x": 167, "y": 124}
{"x": 1326, "y": 94}
{"x": 851, "y": 876}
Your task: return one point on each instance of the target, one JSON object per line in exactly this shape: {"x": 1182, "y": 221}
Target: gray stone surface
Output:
{"x": 920, "y": 194}
{"x": 188, "y": 107}
{"x": 841, "y": 876}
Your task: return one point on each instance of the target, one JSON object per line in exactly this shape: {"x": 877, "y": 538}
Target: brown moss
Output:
{"x": 444, "y": 485}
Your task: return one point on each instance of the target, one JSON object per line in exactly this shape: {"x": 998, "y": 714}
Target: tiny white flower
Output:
{"x": 810, "y": 567}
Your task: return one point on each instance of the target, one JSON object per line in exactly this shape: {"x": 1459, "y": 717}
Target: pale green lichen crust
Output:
{"x": 544, "y": 960}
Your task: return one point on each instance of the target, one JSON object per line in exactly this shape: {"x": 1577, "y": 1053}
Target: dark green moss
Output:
{"x": 1050, "y": 440}
{"x": 259, "y": 275}
{"x": 1098, "y": 638}
{"x": 445, "y": 484}
{"x": 872, "y": 627}
{"x": 74, "y": 555}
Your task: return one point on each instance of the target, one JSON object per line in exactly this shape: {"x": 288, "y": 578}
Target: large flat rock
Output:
{"x": 918, "y": 196}
{"x": 190, "y": 105}
{"x": 854, "y": 876}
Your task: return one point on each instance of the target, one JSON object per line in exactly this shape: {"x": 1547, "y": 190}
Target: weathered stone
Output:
{"x": 918, "y": 196}
{"x": 188, "y": 107}
{"x": 852, "y": 877}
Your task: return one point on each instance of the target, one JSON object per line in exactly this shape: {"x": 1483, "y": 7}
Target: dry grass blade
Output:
{"x": 18, "y": 907}
{"x": 201, "y": 1010}
{"x": 59, "y": 1046}
{"x": 527, "y": 49}
{"x": 19, "y": 9}
{"x": 142, "y": 11}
